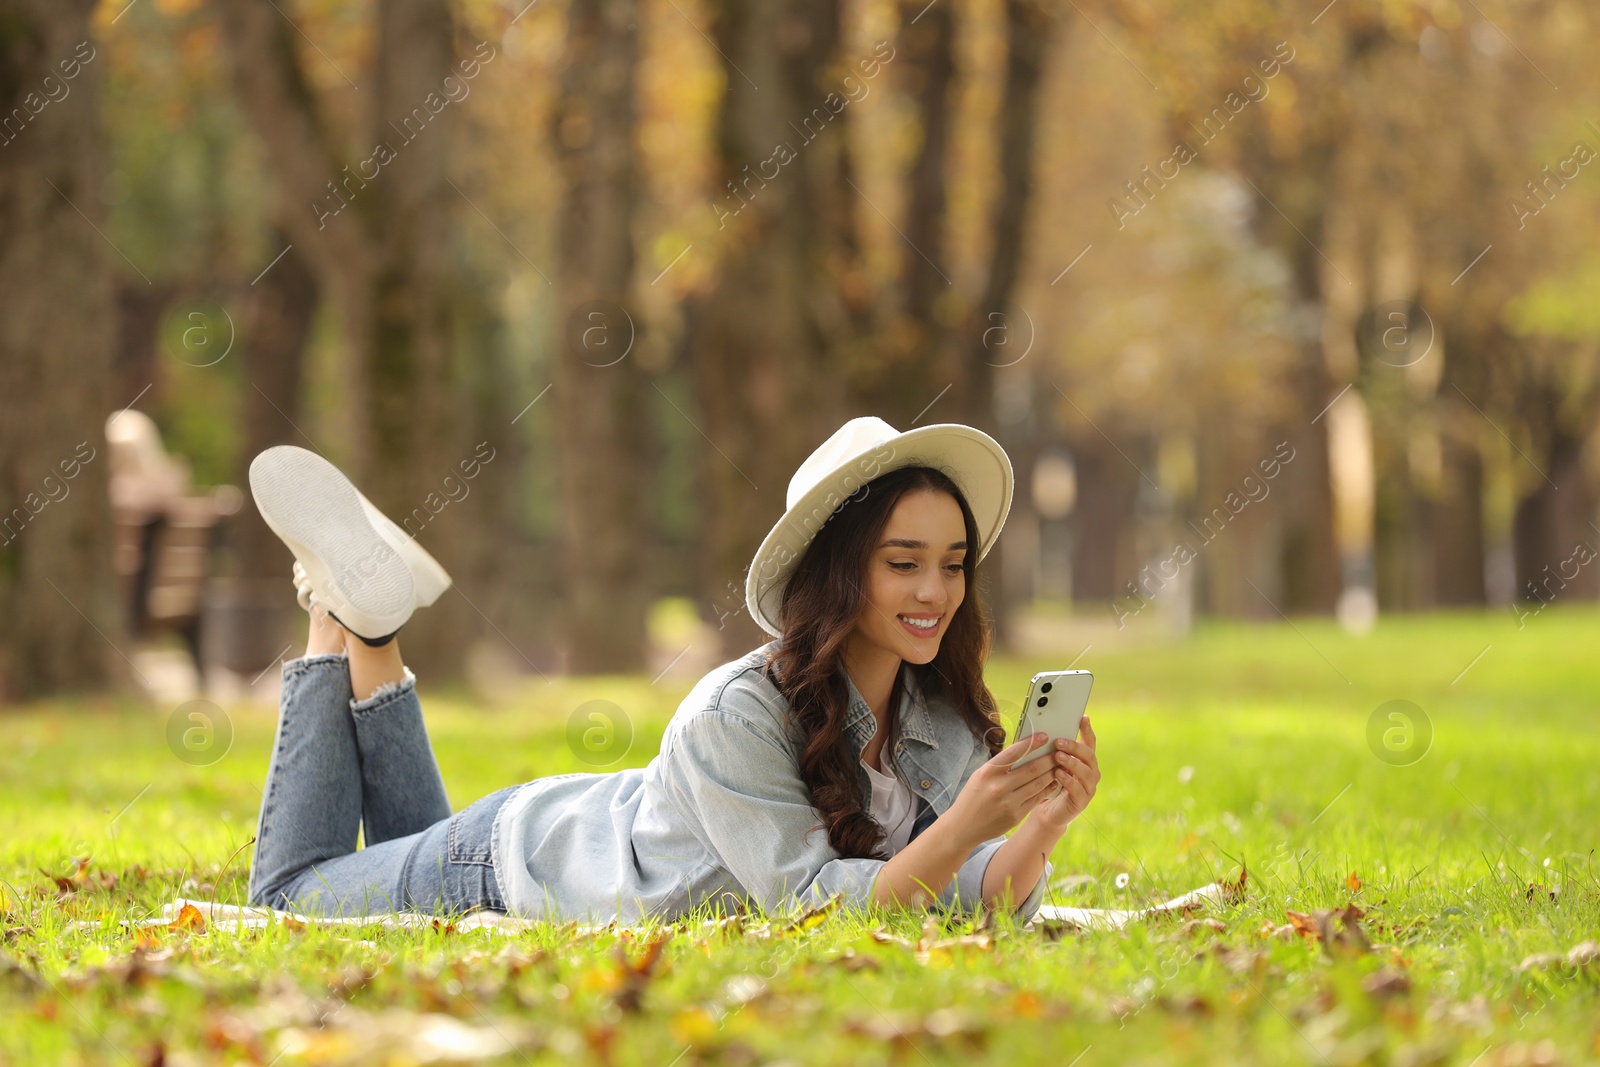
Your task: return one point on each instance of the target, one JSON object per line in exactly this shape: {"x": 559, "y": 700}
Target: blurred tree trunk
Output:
{"x": 949, "y": 363}
{"x": 276, "y": 330}
{"x": 1234, "y": 548}
{"x": 993, "y": 337}
{"x": 380, "y": 247}
{"x": 57, "y": 591}
{"x": 1310, "y": 566}
{"x": 766, "y": 386}
{"x": 140, "y": 307}
{"x": 417, "y": 422}
{"x": 278, "y": 326}
{"x": 1455, "y": 518}
{"x": 1456, "y": 524}
{"x": 1102, "y": 521}
{"x": 919, "y": 348}
{"x": 1550, "y": 524}
{"x": 600, "y": 408}
{"x": 1397, "y": 501}
{"x": 1310, "y": 557}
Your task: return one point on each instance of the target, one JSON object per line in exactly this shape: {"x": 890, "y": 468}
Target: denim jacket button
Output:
{"x": 926, "y": 784}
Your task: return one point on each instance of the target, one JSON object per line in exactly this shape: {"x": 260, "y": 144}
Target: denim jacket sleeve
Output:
{"x": 968, "y": 882}
{"x": 963, "y": 891}
{"x": 733, "y": 780}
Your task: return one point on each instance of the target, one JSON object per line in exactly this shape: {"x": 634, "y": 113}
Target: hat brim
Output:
{"x": 971, "y": 458}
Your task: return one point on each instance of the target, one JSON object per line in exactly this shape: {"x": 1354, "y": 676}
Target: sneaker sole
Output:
{"x": 316, "y": 511}
{"x": 428, "y": 578}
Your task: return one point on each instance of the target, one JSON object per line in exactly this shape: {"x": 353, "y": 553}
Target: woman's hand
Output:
{"x": 1075, "y": 782}
{"x": 996, "y": 797}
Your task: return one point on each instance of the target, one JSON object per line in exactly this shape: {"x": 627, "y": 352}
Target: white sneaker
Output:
{"x": 427, "y": 576}
{"x": 302, "y": 587}
{"x": 357, "y": 565}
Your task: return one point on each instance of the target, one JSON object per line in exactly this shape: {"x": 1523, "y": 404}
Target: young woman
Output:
{"x": 857, "y": 753}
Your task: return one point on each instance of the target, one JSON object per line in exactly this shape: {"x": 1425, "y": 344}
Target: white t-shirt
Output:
{"x": 893, "y": 806}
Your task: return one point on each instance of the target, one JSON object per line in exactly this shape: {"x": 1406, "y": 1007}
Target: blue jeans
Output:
{"x": 340, "y": 764}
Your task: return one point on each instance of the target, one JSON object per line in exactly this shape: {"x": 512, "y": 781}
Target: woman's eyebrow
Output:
{"x": 908, "y": 542}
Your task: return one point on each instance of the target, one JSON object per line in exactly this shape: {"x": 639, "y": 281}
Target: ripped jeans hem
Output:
{"x": 300, "y": 664}
{"x": 385, "y": 694}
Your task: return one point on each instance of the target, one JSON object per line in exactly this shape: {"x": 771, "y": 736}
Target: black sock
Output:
{"x": 374, "y": 642}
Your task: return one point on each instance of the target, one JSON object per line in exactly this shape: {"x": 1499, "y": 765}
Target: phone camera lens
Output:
{"x": 1043, "y": 701}
{"x": 1045, "y": 688}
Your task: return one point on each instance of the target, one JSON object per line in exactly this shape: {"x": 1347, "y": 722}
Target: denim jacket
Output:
{"x": 721, "y": 813}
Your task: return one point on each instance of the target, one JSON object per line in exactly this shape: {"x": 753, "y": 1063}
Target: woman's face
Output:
{"x": 915, "y": 579}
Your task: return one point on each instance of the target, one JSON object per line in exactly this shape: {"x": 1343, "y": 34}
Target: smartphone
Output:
{"x": 1056, "y": 700}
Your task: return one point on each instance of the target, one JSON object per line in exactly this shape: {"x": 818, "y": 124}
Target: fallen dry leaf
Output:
{"x": 1320, "y": 927}
{"x": 1234, "y": 892}
{"x": 907, "y": 1035}
{"x": 694, "y": 1026}
{"x": 884, "y": 937}
{"x": 1584, "y": 954}
{"x": 1188, "y": 1004}
{"x": 633, "y": 976}
{"x": 853, "y": 961}
{"x": 1541, "y": 961}
{"x": 1026, "y": 1004}
{"x": 1237, "y": 960}
{"x": 1303, "y": 924}
{"x": 66, "y": 886}
{"x": 1386, "y": 982}
{"x": 811, "y": 918}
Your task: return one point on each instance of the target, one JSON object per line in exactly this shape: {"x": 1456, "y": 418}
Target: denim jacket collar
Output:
{"x": 932, "y": 776}
{"x": 912, "y": 719}
{"x": 934, "y": 773}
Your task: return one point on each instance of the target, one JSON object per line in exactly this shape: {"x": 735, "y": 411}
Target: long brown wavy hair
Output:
{"x": 824, "y": 596}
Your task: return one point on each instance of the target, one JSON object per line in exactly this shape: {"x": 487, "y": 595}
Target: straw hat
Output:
{"x": 859, "y": 451}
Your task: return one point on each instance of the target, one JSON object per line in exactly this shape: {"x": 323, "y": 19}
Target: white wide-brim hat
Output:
{"x": 859, "y": 451}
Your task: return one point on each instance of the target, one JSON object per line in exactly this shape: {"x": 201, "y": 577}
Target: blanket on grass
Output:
{"x": 185, "y": 913}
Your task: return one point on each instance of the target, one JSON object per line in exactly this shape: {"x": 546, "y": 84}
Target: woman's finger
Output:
{"x": 1076, "y": 748}
{"x": 1080, "y": 794}
{"x": 1081, "y": 770}
{"x": 1071, "y": 788}
{"x": 1016, "y": 765}
{"x": 1072, "y": 747}
{"x": 1048, "y": 789}
{"x": 1009, "y": 755}
{"x": 1026, "y": 777}
{"x": 1087, "y": 731}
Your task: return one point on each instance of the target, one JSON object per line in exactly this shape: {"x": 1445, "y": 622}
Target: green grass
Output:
{"x": 1241, "y": 745}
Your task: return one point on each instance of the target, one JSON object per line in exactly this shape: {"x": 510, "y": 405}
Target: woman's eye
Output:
{"x": 955, "y": 568}
{"x": 897, "y": 566}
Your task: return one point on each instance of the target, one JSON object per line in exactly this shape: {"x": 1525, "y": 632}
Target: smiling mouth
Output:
{"x": 920, "y": 627}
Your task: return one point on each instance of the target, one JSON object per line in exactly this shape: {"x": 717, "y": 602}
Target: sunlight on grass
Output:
{"x": 1242, "y": 746}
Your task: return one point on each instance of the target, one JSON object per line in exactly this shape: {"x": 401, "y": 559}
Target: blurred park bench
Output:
{"x": 167, "y": 533}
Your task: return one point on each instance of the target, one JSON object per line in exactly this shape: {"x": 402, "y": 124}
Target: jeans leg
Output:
{"x": 402, "y": 792}
{"x": 445, "y": 869}
{"x": 311, "y": 803}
